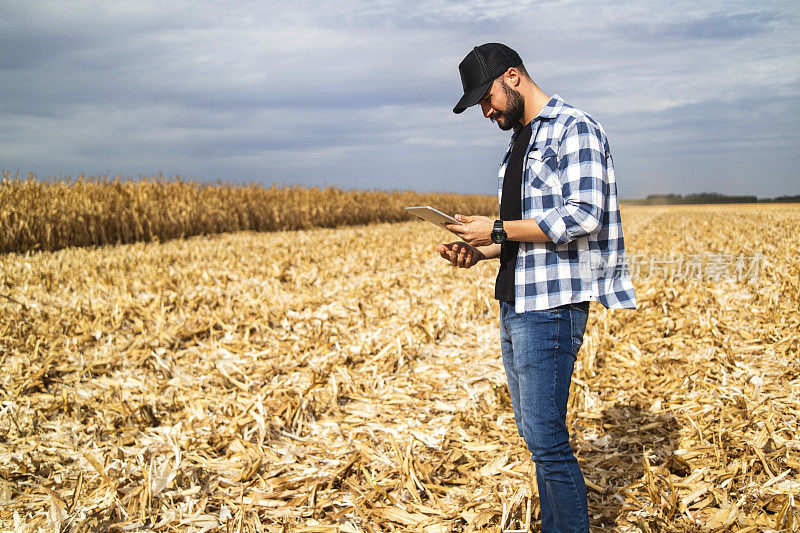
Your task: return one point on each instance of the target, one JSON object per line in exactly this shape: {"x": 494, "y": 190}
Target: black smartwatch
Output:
{"x": 498, "y": 233}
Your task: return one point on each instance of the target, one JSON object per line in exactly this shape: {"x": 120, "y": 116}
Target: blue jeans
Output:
{"x": 539, "y": 351}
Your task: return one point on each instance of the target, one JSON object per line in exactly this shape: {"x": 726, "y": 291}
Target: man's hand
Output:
{"x": 475, "y": 230}
{"x": 460, "y": 254}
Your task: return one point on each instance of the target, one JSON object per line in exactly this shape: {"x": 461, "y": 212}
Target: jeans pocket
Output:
{"x": 552, "y": 323}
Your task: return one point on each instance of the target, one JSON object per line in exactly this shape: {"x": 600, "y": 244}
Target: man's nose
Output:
{"x": 486, "y": 108}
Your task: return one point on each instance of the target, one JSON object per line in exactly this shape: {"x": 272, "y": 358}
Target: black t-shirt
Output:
{"x": 511, "y": 209}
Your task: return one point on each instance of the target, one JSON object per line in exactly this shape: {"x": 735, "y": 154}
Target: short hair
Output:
{"x": 522, "y": 70}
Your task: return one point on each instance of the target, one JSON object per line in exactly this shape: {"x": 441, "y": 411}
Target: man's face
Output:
{"x": 503, "y": 105}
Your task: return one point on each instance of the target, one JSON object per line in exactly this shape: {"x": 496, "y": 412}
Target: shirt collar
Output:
{"x": 550, "y": 110}
{"x": 552, "y": 107}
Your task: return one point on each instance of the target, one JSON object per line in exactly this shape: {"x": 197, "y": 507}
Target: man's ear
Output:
{"x": 512, "y": 77}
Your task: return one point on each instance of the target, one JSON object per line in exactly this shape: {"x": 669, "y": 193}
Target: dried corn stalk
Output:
{"x": 349, "y": 380}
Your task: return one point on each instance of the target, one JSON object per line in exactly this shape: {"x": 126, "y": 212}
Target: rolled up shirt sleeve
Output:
{"x": 582, "y": 173}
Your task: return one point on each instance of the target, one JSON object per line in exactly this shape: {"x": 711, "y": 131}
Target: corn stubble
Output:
{"x": 350, "y": 380}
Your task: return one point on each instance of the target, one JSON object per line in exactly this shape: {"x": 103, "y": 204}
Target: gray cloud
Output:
{"x": 715, "y": 26}
{"x": 358, "y": 94}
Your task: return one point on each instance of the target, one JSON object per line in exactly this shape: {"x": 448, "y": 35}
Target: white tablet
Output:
{"x": 432, "y": 215}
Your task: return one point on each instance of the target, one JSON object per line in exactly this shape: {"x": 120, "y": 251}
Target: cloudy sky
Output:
{"x": 695, "y": 96}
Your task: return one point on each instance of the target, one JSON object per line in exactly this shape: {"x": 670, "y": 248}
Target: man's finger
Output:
{"x": 468, "y": 259}
{"x": 445, "y": 251}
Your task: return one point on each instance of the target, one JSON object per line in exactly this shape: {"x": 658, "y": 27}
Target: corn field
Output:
{"x": 348, "y": 379}
{"x": 50, "y": 215}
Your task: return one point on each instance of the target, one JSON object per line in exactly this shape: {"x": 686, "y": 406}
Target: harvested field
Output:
{"x": 350, "y": 380}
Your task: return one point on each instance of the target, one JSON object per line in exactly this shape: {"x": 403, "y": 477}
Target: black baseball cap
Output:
{"x": 480, "y": 68}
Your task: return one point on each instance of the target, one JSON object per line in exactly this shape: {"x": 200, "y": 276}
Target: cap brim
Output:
{"x": 472, "y": 97}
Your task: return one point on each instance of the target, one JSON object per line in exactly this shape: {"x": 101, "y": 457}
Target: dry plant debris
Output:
{"x": 350, "y": 380}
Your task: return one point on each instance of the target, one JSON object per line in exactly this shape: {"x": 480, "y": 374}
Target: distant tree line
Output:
{"x": 711, "y": 198}
{"x": 781, "y": 199}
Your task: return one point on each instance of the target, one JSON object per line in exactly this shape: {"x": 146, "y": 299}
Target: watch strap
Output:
{"x": 498, "y": 233}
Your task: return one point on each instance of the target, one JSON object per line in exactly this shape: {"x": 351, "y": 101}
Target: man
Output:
{"x": 559, "y": 241}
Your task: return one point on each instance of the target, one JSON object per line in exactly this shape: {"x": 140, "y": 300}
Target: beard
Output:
{"x": 515, "y": 108}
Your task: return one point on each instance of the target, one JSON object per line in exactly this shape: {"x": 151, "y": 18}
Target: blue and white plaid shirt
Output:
{"x": 568, "y": 188}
